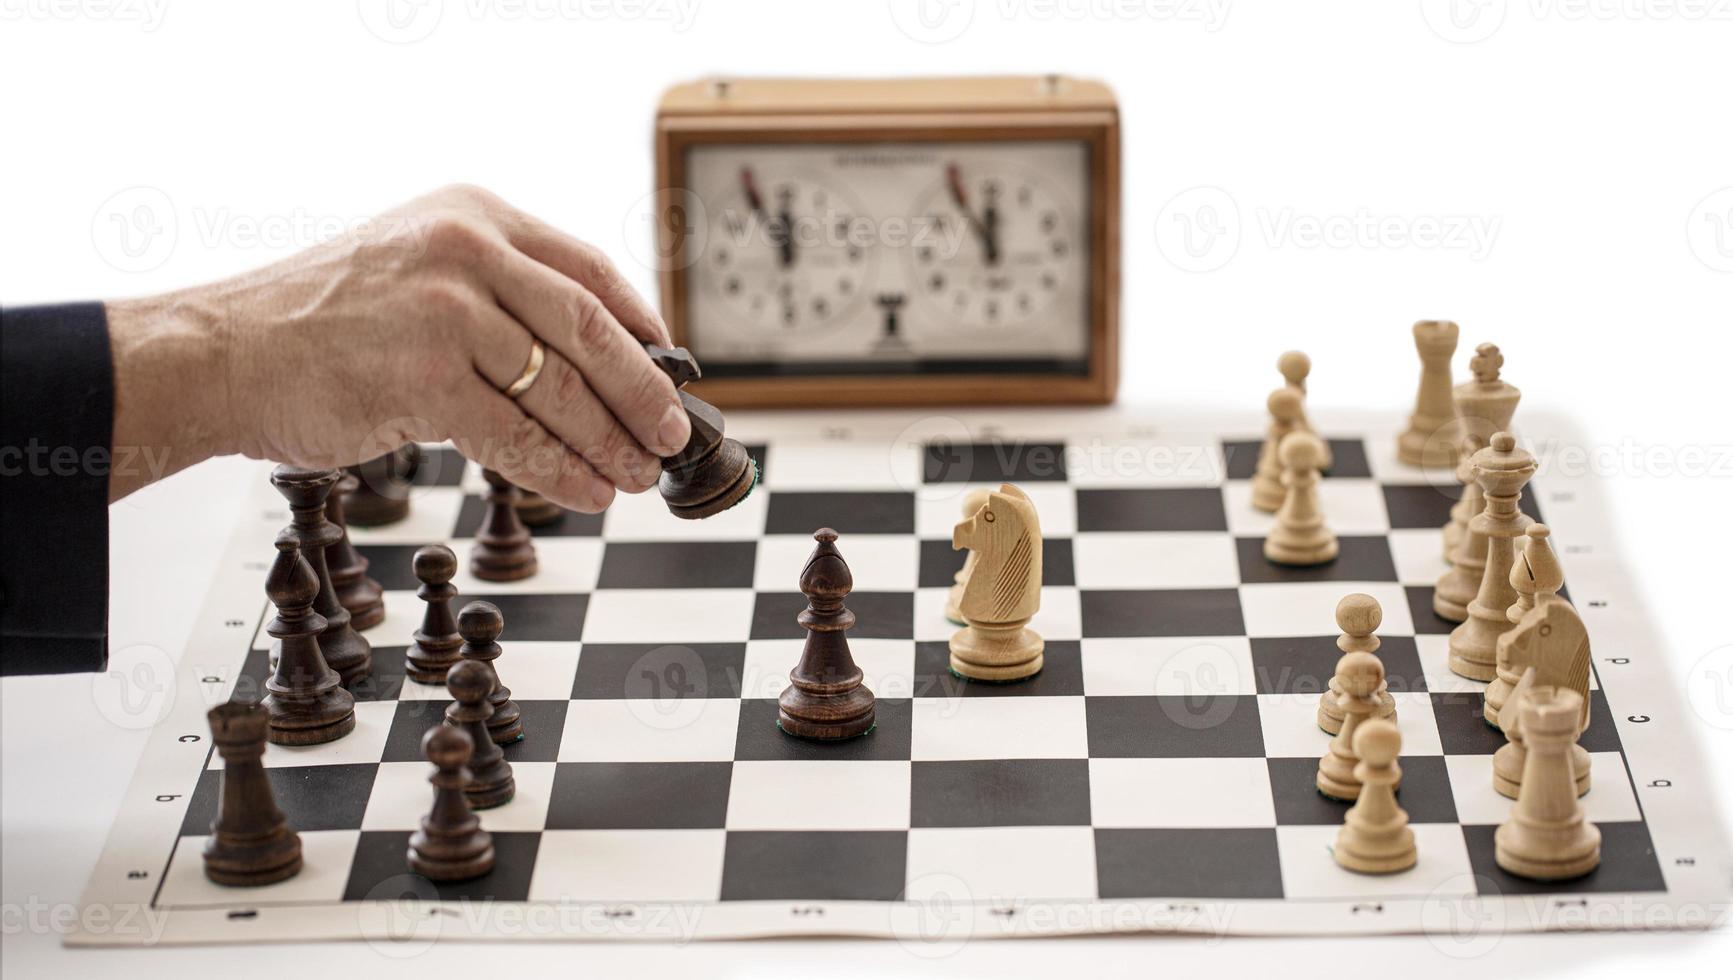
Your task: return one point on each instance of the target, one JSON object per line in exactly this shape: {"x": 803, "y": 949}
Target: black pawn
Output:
{"x": 251, "y": 843}
{"x": 490, "y": 783}
{"x": 713, "y": 472}
{"x": 361, "y": 595}
{"x": 304, "y": 696}
{"x": 503, "y": 550}
{"x": 347, "y": 651}
{"x": 480, "y": 625}
{"x": 434, "y": 647}
{"x": 825, "y": 698}
{"x": 450, "y": 846}
{"x": 385, "y": 482}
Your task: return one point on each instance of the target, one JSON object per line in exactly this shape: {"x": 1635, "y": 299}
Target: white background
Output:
{"x": 1588, "y": 144}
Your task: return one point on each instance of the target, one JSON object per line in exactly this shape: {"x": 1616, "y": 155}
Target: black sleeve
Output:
{"x": 56, "y": 423}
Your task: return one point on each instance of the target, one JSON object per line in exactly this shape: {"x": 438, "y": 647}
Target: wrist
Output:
{"x": 171, "y": 388}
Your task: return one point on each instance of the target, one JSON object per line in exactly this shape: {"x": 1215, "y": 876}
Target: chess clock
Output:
{"x": 892, "y": 242}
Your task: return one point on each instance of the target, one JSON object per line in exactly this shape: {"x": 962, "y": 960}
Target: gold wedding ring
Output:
{"x": 532, "y": 370}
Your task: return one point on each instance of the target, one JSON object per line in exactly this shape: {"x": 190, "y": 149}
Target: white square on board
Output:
{"x": 819, "y": 795}
{"x": 1176, "y": 665}
{"x": 669, "y": 616}
{"x": 1156, "y": 560}
{"x": 641, "y": 730}
{"x": 402, "y": 795}
{"x": 1309, "y": 608}
{"x": 629, "y": 866}
{"x": 1180, "y": 793}
{"x": 365, "y": 745}
{"x": 1352, "y": 507}
{"x": 834, "y": 466}
{"x": 999, "y": 728}
{"x": 1000, "y": 864}
{"x": 877, "y": 562}
{"x": 1610, "y": 798}
{"x": 326, "y": 858}
{"x": 1309, "y": 868}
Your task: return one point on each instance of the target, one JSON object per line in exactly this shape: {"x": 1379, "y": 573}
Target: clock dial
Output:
{"x": 1004, "y": 246}
{"x": 784, "y": 253}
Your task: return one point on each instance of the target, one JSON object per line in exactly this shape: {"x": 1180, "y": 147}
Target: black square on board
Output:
{"x": 311, "y": 797}
{"x": 1426, "y": 622}
{"x": 385, "y": 682}
{"x": 887, "y": 512}
{"x": 1362, "y": 559}
{"x": 1236, "y": 862}
{"x": 544, "y": 726}
{"x": 994, "y": 462}
{"x": 1152, "y": 509}
{"x": 1305, "y": 664}
{"x": 678, "y": 565}
{"x": 940, "y": 564}
{"x": 661, "y": 672}
{"x": 639, "y": 795}
{"x": 571, "y": 524}
{"x": 535, "y": 615}
{"x": 1425, "y": 792}
{"x": 1628, "y": 864}
{"x": 759, "y": 739}
{"x": 1000, "y": 793}
{"x": 1420, "y": 505}
{"x": 1162, "y": 612}
{"x": 833, "y": 865}
{"x": 1061, "y": 674}
{"x": 1348, "y": 459}
{"x": 392, "y": 565}
{"x": 381, "y": 874}
{"x": 878, "y": 615}
{"x": 439, "y": 466}
{"x": 1462, "y": 729}
{"x": 1172, "y": 726}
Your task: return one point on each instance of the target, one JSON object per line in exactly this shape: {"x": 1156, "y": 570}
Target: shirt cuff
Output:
{"x": 56, "y": 425}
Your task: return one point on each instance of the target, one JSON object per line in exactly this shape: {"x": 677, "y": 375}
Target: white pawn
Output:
{"x": 1547, "y": 838}
{"x": 1358, "y": 616}
{"x": 1287, "y": 412}
{"x": 1360, "y": 674}
{"x": 1300, "y": 536}
{"x": 1375, "y": 837}
{"x": 973, "y": 501}
{"x": 1295, "y": 367}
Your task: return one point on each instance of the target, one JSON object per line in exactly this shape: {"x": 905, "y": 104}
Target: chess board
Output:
{"x": 1156, "y": 776}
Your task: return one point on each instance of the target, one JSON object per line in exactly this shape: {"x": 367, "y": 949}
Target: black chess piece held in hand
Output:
{"x": 825, "y": 698}
{"x": 713, "y": 472}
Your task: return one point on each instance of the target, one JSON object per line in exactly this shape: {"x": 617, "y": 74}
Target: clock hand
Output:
{"x": 785, "y": 222}
{"x": 987, "y": 231}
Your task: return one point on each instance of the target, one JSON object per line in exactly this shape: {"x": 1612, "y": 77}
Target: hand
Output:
{"x": 410, "y": 329}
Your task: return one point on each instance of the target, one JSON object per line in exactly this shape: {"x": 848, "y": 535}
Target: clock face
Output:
{"x": 782, "y": 255}
{"x": 818, "y": 256}
{"x": 1013, "y": 249}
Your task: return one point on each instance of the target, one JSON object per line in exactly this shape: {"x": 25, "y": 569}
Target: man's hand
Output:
{"x": 410, "y": 330}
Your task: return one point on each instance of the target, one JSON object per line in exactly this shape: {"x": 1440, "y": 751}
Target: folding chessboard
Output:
{"x": 1156, "y": 776}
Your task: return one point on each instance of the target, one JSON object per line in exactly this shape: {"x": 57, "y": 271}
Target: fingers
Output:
{"x": 585, "y": 264}
{"x": 562, "y": 401}
{"x": 499, "y": 435}
{"x": 573, "y": 322}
